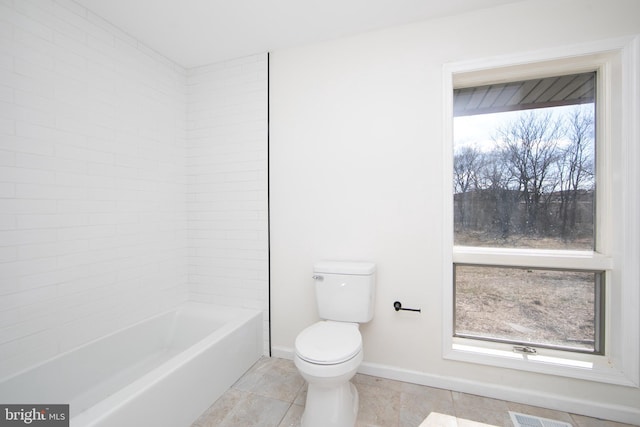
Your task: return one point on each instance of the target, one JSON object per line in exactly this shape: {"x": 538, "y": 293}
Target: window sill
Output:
{"x": 550, "y": 362}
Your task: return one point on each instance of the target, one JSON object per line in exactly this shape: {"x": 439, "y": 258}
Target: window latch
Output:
{"x": 524, "y": 349}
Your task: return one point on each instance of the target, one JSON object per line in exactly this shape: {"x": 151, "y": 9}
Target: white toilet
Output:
{"x": 329, "y": 352}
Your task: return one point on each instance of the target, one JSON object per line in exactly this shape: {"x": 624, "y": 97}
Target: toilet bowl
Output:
{"x": 327, "y": 356}
{"x": 329, "y": 352}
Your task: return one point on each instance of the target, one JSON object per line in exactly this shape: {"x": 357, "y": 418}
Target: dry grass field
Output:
{"x": 526, "y": 305}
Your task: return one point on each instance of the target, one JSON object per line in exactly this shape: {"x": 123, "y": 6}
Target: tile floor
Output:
{"x": 272, "y": 394}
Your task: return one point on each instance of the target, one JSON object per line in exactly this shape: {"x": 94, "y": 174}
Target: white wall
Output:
{"x": 227, "y": 185}
{"x": 95, "y": 186}
{"x": 356, "y": 173}
{"x": 92, "y": 206}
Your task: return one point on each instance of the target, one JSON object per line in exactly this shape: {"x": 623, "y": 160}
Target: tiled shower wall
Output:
{"x": 227, "y": 184}
{"x": 93, "y": 182}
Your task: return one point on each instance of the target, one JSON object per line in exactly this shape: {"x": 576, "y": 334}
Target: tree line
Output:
{"x": 537, "y": 180}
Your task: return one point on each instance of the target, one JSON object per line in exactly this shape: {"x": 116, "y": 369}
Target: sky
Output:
{"x": 478, "y": 130}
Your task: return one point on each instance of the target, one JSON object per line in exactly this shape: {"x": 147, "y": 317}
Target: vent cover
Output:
{"x": 522, "y": 420}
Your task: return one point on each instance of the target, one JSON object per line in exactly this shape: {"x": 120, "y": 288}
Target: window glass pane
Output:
{"x": 524, "y": 164}
{"x": 529, "y": 306}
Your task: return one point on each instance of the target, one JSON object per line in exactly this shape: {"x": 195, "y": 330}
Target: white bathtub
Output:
{"x": 164, "y": 371}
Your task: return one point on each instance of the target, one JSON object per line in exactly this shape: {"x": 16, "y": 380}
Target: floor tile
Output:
{"x": 581, "y": 421}
{"x": 464, "y": 401}
{"x": 301, "y": 398}
{"x": 216, "y": 413}
{"x": 470, "y": 416}
{"x": 378, "y": 382}
{"x": 379, "y": 403}
{"x": 471, "y": 409}
{"x": 418, "y": 405}
{"x": 273, "y": 393}
{"x": 255, "y": 410}
{"x": 293, "y": 416}
{"x": 273, "y": 378}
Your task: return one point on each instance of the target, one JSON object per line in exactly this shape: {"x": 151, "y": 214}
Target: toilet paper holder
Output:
{"x": 398, "y": 306}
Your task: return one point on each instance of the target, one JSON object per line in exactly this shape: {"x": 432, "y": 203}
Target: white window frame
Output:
{"x": 617, "y": 63}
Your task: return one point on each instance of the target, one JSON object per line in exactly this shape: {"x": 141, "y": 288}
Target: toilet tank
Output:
{"x": 345, "y": 291}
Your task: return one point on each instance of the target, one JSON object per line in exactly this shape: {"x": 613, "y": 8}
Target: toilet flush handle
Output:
{"x": 318, "y": 278}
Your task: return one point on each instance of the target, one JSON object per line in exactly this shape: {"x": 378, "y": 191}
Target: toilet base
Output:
{"x": 331, "y": 406}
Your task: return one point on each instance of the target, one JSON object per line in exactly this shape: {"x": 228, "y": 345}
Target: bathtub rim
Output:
{"x": 228, "y": 318}
{"x": 197, "y": 306}
{"x": 112, "y": 403}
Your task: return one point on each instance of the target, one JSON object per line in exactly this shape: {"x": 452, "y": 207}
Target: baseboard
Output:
{"x": 282, "y": 352}
{"x": 623, "y": 414}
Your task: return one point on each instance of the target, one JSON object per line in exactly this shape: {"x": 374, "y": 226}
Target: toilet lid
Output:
{"x": 328, "y": 343}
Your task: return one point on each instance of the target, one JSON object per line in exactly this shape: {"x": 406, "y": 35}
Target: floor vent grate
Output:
{"x": 523, "y": 420}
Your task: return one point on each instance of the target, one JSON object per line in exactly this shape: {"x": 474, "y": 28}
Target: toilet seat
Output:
{"x": 329, "y": 343}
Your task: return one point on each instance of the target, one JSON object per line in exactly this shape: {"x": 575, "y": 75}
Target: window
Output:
{"x": 542, "y": 208}
{"x": 524, "y": 176}
{"x": 530, "y": 307}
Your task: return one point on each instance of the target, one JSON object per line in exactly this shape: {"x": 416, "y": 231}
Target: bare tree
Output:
{"x": 529, "y": 146}
{"x": 537, "y": 181}
{"x": 496, "y": 180}
{"x": 466, "y": 165}
{"x": 576, "y": 168}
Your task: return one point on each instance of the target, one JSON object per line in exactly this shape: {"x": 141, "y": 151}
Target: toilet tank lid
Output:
{"x": 344, "y": 267}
